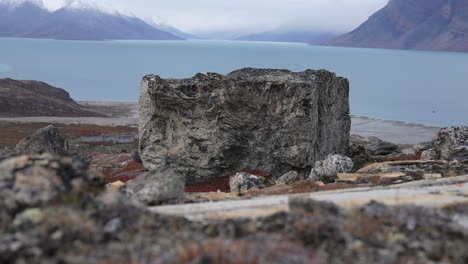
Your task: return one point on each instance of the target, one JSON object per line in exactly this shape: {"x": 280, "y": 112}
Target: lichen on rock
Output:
{"x": 212, "y": 125}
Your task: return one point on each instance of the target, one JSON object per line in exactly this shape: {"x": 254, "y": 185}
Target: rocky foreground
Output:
{"x": 78, "y": 193}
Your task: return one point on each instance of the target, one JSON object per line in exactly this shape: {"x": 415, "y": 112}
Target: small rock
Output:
{"x": 156, "y": 187}
{"x": 289, "y": 178}
{"x": 33, "y": 216}
{"x": 112, "y": 226}
{"x": 115, "y": 186}
{"x": 409, "y": 152}
{"x": 46, "y": 139}
{"x": 428, "y": 155}
{"x": 328, "y": 169}
{"x": 373, "y": 145}
{"x": 244, "y": 181}
{"x": 319, "y": 183}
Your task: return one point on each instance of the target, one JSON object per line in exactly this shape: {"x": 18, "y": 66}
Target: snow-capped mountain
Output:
{"x": 15, "y": 18}
{"x": 76, "y": 20}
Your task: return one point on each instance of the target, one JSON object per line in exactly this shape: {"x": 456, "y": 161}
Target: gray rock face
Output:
{"x": 155, "y": 187}
{"x": 374, "y": 146}
{"x": 244, "y": 181}
{"x": 289, "y": 178}
{"x": 327, "y": 170}
{"x": 272, "y": 120}
{"x": 29, "y": 181}
{"x": 451, "y": 143}
{"x": 46, "y": 139}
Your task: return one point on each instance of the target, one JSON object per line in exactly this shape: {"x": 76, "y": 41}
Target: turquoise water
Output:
{"x": 413, "y": 86}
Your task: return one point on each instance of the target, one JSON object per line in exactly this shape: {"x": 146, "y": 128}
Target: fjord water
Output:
{"x": 414, "y": 86}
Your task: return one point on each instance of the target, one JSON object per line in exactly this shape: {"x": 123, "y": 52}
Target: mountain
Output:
{"x": 290, "y": 36}
{"x": 413, "y": 24}
{"x": 75, "y": 21}
{"x": 15, "y": 18}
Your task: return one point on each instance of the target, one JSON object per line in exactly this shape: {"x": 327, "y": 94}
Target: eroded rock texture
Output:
{"x": 214, "y": 125}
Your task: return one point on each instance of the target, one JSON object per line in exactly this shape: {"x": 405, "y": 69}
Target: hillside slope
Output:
{"x": 413, "y": 24}
{"x": 33, "y": 98}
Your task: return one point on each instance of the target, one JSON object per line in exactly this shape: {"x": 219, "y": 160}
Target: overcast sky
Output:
{"x": 198, "y": 16}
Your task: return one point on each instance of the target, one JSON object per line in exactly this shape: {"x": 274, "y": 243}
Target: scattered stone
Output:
{"x": 156, "y": 187}
{"x": 451, "y": 144}
{"x": 409, "y": 152}
{"x": 46, "y": 139}
{"x": 319, "y": 183}
{"x": 243, "y": 181}
{"x": 31, "y": 181}
{"x": 429, "y": 154}
{"x": 210, "y": 125}
{"x": 289, "y": 178}
{"x": 136, "y": 156}
{"x": 373, "y": 146}
{"x": 328, "y": 169}
{"x": 32, "y": 215}
{"x": 115, "y": 186}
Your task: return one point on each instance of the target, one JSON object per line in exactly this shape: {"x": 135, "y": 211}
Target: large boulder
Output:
{"x": 156, "y": 187}
{"x": 451, "y": 144}
{"x": 31, "y": 181}
{"x": 326, "y": 170}
{"x": 212, "y": 125}
{"x": 47, "y": 139}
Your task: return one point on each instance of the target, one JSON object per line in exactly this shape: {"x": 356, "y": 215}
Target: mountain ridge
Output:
{"x": 413, "y": 24}
{"x": 75, "y": 21}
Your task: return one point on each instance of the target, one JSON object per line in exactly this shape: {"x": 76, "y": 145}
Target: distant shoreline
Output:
{"x": 126, "y": 114}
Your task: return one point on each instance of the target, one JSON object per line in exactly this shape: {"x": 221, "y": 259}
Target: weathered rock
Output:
{"x": 429, "y": 154}
{"x": 451, "y": 143}
{"x": 272, "y": 120}
{"x": 245, "y": 181}
{"x": 29, "y": 181}
{"x": 289, "y": 178}
{"x": 409, "y": 151}
{"x": 327, "y": 170}
{"x": 47, "y": 139}
{"x": 373, "y": 146}
{"x": 156, "y": 187}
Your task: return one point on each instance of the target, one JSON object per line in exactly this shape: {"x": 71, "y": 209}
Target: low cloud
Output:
{"x": 246, "y": 15}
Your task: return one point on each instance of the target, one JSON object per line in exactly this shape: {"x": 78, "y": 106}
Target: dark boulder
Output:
{"x": 46, "y": 139}
{"x": 212, "y": 125}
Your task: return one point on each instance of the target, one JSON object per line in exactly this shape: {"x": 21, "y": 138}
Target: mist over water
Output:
{"x": 413, "y": 86}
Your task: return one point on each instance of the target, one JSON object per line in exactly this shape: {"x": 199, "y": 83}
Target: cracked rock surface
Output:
{"x": 213, "y": 125}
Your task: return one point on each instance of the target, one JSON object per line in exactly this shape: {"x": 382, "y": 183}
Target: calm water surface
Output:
{"x": 414, "y": 86}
